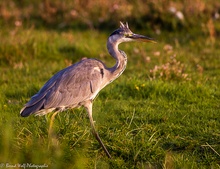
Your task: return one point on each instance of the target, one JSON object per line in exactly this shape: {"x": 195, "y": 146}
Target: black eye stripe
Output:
{"x": 116, "y": 32}
{"x": 121, "y": 31}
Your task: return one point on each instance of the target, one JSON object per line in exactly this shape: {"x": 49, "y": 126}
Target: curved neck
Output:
{"x": 119, "y": 56}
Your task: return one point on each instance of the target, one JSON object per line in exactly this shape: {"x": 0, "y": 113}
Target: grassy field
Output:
{"x": 163, "y": 112}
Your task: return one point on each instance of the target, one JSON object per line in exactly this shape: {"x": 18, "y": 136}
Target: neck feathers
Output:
{"x": 118, "y": 55}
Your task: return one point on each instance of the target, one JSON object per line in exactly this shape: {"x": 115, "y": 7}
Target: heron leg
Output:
{"x": 50, "y": 131}
{"x": 51, "y": 123}
{"x": 88, "y": 107}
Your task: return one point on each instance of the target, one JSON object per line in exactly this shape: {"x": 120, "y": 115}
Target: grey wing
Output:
{"x": 68, "y": 88}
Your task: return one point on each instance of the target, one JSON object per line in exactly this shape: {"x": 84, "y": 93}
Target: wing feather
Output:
{"x": 69, "y": 87}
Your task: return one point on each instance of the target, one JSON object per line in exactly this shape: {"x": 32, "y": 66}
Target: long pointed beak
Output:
{"x": 141, "y": 38}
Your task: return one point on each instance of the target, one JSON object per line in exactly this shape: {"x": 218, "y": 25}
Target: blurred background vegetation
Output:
{"x": 179, "y": 116}
{"x": 98, "y": 14}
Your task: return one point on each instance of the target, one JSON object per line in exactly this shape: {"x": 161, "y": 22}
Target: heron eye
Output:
{"x": 127, "y": 35}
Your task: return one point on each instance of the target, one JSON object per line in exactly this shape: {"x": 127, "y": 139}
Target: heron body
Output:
{"x": 78, "y": 84}
{"x": 69, "y": 88}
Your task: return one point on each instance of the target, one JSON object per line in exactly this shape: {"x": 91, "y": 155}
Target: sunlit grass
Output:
{"x": 144, "y": 122}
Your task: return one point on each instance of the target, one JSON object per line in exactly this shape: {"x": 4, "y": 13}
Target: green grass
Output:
{"x": 145, "y": 121}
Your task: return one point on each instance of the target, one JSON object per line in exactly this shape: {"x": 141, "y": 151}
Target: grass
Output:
{"x": 148, "y": 118}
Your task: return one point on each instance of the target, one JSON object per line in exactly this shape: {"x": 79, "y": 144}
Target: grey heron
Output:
{"x": 78, "y": 84}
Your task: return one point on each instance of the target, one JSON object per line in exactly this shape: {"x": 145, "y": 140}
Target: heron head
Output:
{"x": 124, "y": 34}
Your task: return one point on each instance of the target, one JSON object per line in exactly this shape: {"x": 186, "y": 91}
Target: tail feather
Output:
{"x": 28, "y": 110}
